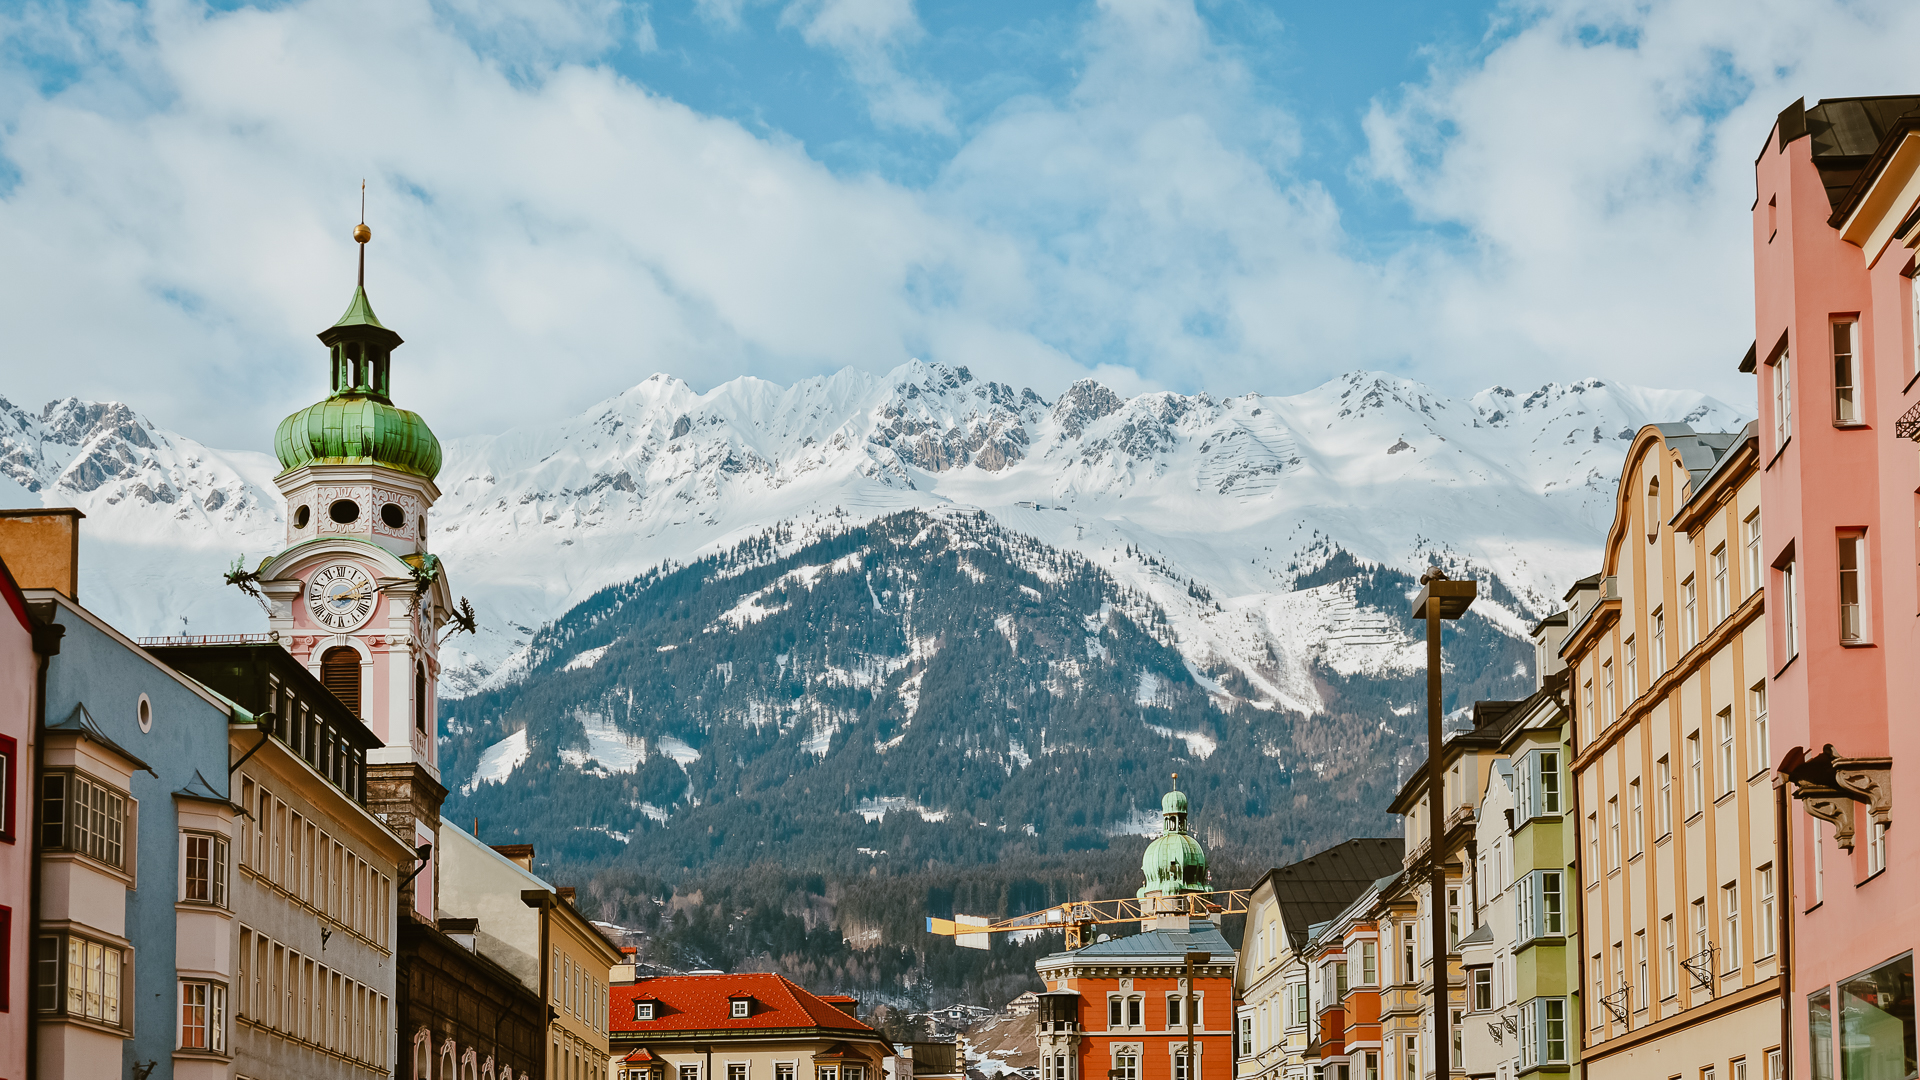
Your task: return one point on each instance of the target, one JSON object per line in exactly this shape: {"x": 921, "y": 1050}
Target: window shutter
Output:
{"x": 340, "y": 673}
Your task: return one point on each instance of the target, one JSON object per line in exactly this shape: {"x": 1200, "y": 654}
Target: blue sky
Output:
{"x": 569, "y": 195}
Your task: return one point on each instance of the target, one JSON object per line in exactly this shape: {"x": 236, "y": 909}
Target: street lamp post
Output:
{"x": 1440, "y": 598}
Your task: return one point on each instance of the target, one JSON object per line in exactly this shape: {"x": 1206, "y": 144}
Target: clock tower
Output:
{"x": 355, "y": 594}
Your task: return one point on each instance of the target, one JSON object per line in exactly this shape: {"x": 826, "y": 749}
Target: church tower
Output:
{"x": 355, "y": 594}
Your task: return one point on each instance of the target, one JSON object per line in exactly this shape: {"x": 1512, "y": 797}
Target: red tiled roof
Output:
{"x": 638, "y": 1057}
{"x": 701, "y": 1003}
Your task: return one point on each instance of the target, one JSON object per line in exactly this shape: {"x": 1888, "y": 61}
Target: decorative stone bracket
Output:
{"x": 1831, "y": 787}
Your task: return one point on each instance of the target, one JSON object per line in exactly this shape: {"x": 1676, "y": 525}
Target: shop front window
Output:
{"x": 1877, "y": 1022}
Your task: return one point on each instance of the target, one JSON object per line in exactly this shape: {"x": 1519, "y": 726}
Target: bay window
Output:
{"x": 203, "y": 1016}
{"x": 83, "y": 815}
{"x": 203, "y": 871}
{"x": 1543, "y": 1032}
{"x": 76, "y": 977}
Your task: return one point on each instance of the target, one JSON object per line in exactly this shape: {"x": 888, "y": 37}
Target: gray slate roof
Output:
{"x": 1200, "y": 935}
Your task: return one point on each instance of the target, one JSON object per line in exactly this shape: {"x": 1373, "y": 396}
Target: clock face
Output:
{"x": 340, "y": 596}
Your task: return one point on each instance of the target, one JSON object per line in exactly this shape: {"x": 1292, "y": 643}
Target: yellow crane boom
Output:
{"x": 1075, "y": 916}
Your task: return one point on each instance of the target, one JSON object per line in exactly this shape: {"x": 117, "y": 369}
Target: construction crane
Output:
{"x": 1076, "y": 917}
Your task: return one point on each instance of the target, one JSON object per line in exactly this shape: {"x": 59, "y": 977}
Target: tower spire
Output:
{"x": 362, "y": 234}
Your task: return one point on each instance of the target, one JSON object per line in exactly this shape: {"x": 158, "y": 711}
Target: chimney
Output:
{"x": 623, "y": 972}
{"x": 566, "y": 893}
{"x": 521, "y": 854}
{"x": 42, "y": 548}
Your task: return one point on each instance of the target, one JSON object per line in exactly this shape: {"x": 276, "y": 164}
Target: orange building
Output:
{"x": 1145, "y": 1006}
{"x": 1344, "y": 955}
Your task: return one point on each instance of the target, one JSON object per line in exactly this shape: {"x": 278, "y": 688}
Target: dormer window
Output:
{"x": 643, "y": 1010}
{"x": 741, "y": 1007}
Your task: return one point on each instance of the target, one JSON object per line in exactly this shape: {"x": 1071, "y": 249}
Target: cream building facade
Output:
{"x": 1677, "y": 851}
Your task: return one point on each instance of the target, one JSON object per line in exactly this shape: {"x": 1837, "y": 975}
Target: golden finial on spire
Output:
{"x": 362, "y": 234}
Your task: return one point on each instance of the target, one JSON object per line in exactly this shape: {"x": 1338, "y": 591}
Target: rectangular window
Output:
{"x": 77, "y": 977}
{"x": 1852, "y": 560}
{"x": 1371, "y": 1068}
{"x": 1689, "y": 613}
{"x": 1482, "y": 989}
{"x": 1659, "y": 655}
{"x": 736, "y": 1070}
{"x": 1410, "y": 1053}
{"x": 1113, "y": 1012}
{"x": 1876, "y": 847}
{"x": 1126, "y": 1067}
{"x": 1663, "y": 798}
{"x": 1633, "y": 669}
{"x": 1541, "y": 905}
{"x": 1764, "y": 929}
{"x": 1640, "y": 969}
{"x": 81, "y": 814}
{"x": 1180, "y": 1071}
{"x": 1730, "y": 926}
{"x": 1820, "y": 1035}
{"x": 1757, "y": 706}
{"x": 643, "y": 1010}
{"x": 1300, "y": 1005}
{"x": 1789, "y": 612}
{"x": 1543, "y": 1032}
{"x": 1173, "y": 1011}
{"x": 1246, "y": 1036}
{"x": 9, "y": 760}
{"x": 204, "y": 873}
{"x": 1819, "y": 861}
{"x": 1750, "y": 571}
{"x": 1540, "y": 787}
{"x": 740, "y": 1009}
{"x": 1613, "y": 832}
{"x": 827, "y": 1072}
{"x": 1453, "y": 919}
{"x": 1726, "y": 766}
{"x": 203, "y": 1017}
{"x": 1846, "y": 372}
{"x": 1593, "y": 847}
{"x": 1636, "y": 818}
{"x": 1409, "y": 971}
{"x": 1700, "y": 946}
{"x": 1607, "y": 701}
{"x": 1369, "y": 963}
{"x": 1669, "y": 960}
{"x": 1696, "y": 775}
{"x": 1782, "y": 401}
{"x": 1134, "y": 1008}
{"x": 1722, "y": 596}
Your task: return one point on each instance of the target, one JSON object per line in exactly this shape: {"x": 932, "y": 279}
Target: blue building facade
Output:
{"x": 108, "y": 702}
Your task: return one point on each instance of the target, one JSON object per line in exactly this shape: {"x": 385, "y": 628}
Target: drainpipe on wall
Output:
{"x": 46, "y": 645}
{"x": 1784, "y": 915}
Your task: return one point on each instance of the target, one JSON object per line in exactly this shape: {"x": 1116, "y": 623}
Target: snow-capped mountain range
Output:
{"x": 1210, "y": 507}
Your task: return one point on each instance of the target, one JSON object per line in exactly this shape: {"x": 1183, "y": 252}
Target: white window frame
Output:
{"x": 209, "y": 998}
{"x": 1727, "y": 760}
{"x": 1754, "y": 571}
{"x": 1722, "y": 588}
{"x": 1852, "y": 595}
{"x": 1689, "y": 613}
{"x": 739, "y": 1008}
{"x": 1636, "y": 818}
{"x": 1663, "y": 798}
{"x": 1782, "y": 399}
{"x": 1765, "y": 912}
{"x": 1757, "y": 708}
{"x": 1849, "y": 392}
{"x": 215, "y": 882}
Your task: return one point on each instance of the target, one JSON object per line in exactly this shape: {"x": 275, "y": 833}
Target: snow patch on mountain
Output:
{"x": 1205, "y": 508}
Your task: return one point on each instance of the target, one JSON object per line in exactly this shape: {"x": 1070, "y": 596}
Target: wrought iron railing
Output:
{"x": 1700, "y": 966}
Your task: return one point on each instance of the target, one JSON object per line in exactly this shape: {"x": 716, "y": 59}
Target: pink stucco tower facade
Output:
{"x": 18, "y": 666}
{"x": 356, "y": 595}
{"x": 1835, "y": 351}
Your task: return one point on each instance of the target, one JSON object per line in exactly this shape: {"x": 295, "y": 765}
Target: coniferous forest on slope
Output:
{"x": 1010, "y": 706}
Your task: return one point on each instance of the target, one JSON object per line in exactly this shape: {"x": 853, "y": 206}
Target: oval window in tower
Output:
{"x": 344, "y": 511}
{"x": 393, "y": 516}
{"x": 300, "y": 516}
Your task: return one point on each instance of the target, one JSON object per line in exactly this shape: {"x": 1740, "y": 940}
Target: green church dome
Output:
{"x": 358, "y": 422}
{"x": 1174, "y": 862}
{"x": 358, "y": 429}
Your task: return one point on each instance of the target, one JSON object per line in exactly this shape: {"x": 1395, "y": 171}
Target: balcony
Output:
{"x": 1057, "y": 1027}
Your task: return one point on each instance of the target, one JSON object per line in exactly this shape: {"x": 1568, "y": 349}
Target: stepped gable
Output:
{"x": 685, "y": 1003}
{"x": 1319, "y": 887}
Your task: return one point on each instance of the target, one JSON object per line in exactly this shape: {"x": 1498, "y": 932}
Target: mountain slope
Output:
{"x": 926, "y": 686}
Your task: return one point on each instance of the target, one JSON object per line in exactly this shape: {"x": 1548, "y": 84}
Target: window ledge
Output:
{"x": 1851, "y": 425}
{"x": 1862, "y": 643}
{"x": 1722, "y": 797}
{"x": 1877, "y": 873}
{"x": 1693, "y": 817}
{"x": 1783, "y": 667}
{"x": 1777, "y": 453}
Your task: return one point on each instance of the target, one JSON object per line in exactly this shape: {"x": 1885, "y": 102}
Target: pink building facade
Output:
{"x": 17, "y": 667}
{"x": 1834, "y": 238}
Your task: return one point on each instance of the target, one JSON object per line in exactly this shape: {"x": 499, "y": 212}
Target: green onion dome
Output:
{"x": 354, "y": 429}
{"x": 1174, "y": 862}
{"x": 358, "y": 424}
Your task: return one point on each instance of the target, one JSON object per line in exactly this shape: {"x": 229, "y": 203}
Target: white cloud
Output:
{"x": 547, "y": 233}
{"x": 1599, "y": 158}
{"x": 867, "y": 35}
